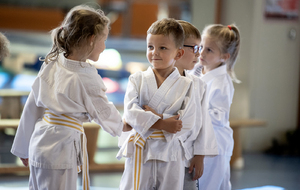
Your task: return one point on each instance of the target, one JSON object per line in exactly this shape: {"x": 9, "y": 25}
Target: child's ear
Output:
{"x": 225, "y": 56}
{"x": 179, "y": 54}
{"x": 91, "y": 40}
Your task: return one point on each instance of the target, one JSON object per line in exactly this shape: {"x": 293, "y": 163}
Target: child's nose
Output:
{"x": 201, "y": 52}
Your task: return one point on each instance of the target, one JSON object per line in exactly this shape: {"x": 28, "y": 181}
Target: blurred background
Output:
{"x": 268, "y": 64}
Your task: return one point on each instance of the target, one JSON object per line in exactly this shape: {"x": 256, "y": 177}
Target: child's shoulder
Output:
{"x": 140, "y": 74}
{"x": 196, "y": 80}
{"x": 222, "y": 82}
{"x": 223, "y": 79}
{"x": 136, "y": 75}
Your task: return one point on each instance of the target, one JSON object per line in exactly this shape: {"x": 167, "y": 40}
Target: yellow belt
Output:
{"x": 139, "y": 143}
{"x": 67, "y": 121}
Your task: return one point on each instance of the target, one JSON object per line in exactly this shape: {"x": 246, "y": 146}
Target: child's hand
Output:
{"x": 172, "y": 124}
{"x": 147, "y": 108}
{"x": 25, "y": 161}
{"x": 197, "y": 163}
{"x": 126, "y": 126}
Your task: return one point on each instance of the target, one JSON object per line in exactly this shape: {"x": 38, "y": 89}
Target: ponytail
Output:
{"x": 81, "y": 23}
{"x": 233, "y": 50}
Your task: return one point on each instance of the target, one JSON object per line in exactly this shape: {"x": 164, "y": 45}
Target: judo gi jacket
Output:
{"x": 174, "y": 96}
{"x": 64, "y": 87}
{"x": 220, "y": 93}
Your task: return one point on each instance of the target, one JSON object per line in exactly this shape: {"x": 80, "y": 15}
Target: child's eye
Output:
{"x": 209, "y": 50}
{"x": 163, "y": 48}
{"x": 150, "y": 47}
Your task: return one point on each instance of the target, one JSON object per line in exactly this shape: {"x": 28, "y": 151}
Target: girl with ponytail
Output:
{"x": 219, "y": 50}
{"x": 67, "y": 92}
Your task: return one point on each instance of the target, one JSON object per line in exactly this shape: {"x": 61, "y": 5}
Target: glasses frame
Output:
{"x": 196, "y": 48}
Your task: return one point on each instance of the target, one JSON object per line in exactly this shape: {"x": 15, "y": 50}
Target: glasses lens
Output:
{"x": 196, "y": 49}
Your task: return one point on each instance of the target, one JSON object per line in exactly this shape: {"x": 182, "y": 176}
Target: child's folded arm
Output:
{"x": 187, "y": 115}
{"x": 134, "y": 114}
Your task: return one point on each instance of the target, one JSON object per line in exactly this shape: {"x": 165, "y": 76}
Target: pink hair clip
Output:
{"x": 229, "y": 27}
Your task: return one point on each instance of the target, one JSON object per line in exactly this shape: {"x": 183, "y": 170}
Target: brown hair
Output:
{"x": 4, "y": 43}
{"x": 79, "y": 25}
{"x": 190, "y": 31}
{"x": 166, "y": 27}
{"x": 228, "y": 41}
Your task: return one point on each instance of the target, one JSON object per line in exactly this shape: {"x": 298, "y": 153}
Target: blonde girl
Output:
{"x": 219, "y": 50}
{"x": 67, "y": 92}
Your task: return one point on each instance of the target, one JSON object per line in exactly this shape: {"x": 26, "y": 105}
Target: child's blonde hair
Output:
{"x": 166, "y": 27}
{"x": 79, "y": 25}
{"x": 4, "y": 43}
{"x": 228, "y": 40}
{"x": 190, "y": 31}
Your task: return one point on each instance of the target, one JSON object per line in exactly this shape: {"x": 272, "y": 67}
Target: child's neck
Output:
{"x": 161, "y": 75}
{"x": 207, "y": 69}
{"x": 181, "y": 71}
{"x": 76, "y": 56}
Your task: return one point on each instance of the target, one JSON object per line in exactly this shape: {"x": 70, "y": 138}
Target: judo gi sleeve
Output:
{"x": 100, "y": 109}
{"x": 205, "y": 143}
{"x": 31, "y": 113}
{"x": 219, "y": 106}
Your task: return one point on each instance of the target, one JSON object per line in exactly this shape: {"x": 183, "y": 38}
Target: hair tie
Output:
{"x": 229, "y": 27}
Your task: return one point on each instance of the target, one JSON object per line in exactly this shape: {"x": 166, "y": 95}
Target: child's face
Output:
{"x": 161, "y": 51}
{"x": 99, "y": 45}
{"x": 210, "y": 55}
{"x": 189, "y": 58}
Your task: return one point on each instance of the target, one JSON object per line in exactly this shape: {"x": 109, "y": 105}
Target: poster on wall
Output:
{"x": 282, "y": 9}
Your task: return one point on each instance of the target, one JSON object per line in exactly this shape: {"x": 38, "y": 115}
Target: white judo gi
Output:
{"x": 201, "y": 140}
{"x": 220, "y": 91}
{"x": 157, "y": 160}
{"x": 65, "y": 94}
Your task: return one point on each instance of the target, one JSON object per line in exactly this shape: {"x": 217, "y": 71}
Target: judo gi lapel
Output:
{"x": 214, "y": 73}
{"x": 158, "y": 94}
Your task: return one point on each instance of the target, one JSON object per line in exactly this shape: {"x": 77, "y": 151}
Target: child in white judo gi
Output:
{"x": 153, "y": 150}
{"x": 219, "y": 49}
{"x": 67, "y": 92}
{"x": 201, "y": 140}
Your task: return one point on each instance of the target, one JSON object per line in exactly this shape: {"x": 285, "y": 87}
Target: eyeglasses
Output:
{"x": 195, "y": 48}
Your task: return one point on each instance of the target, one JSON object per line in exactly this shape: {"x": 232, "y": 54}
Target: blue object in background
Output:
{"x": 113, "y": 74}
{"x": 4, "y": 78}
{"x": 22, "y": 82}
{"x": 36, "y": 66}
{"x": 268, "y": 187}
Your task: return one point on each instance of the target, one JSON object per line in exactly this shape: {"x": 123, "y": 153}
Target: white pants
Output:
{"x": 216, "y": 175}
{"x": 156, "y": 175}
{"x": 50, "y": 179}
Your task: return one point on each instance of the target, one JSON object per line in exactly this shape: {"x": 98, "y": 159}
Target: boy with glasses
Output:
{"x": 201, "y": 140}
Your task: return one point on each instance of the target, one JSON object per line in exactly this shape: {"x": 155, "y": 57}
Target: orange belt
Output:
{"x": 67, "y": 121}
